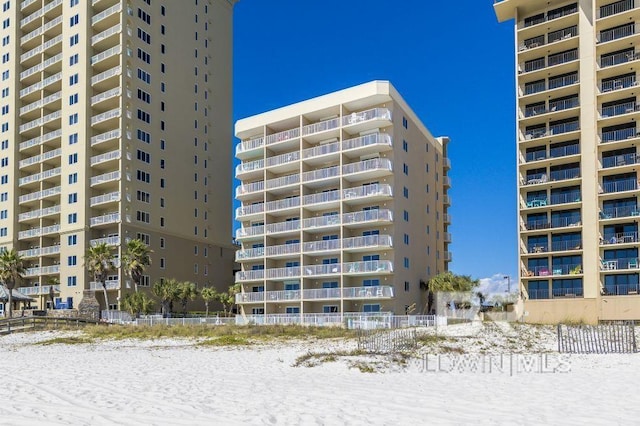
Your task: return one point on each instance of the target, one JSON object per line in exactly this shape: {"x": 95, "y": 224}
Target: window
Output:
{"x": 371, "y": 308}
{"x": 144, "y": 76}
{"x": 162, "y": 243}
{"x": 406, "y": 286}
{"x": 145, "y": 238}
{"x": 74, "y": 20}
{"x": 405, "y": 215}
{"x": 73, "y": 158}
{"x": 144, "y": 36}
{"x": 74, "y": 3}
{"x": 73, "y": 178}
{"x": 406, "y": 239}
{"x": 144, "y": 56}
{"x": 142, "y": 196}
{"x": 144, "y": 217}
{"x": 163, "y": 11}
{"x": 3, "y": 232}
{"x": 405, "y": 123}
{"x": 73, "y": 138}
{"x": 405, "y": 169}
{"x": 162, "y": 263}
{"x": 73, "y": 99}
{"x": 406, "y": 262}
{"x": 73, "y": 198}
{"x": 144, "y": 116}
{"x": 405, "y": 192}
{"x": 144, "y": 16}
{"x": 74, "y": 39}
{"x": 72, "y": 218}
{"x": 145, "y": 157}
{"x": 144, "y": 96}
{"x": 143, "y": 136}
{"x": 73, "y": 119}
{"x": 405, "y": 146}
{"x": 162, "y": 183}
{"x": 72, "y": 240}
{"x": 143, "y": 176}
{"x": 162, "y": 222}
{"x": 73, "y": 59}
{"x": 72, "y": 260}
{"x": 72, "y": 281}
{"x": 73, "y": 80}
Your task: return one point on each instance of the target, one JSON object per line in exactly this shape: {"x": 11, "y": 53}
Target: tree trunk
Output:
{"x": 135, "y": 279}
{"x": 106, "y": 297}
{"x": 206, "y": 307}
{"x": 10, "y": 298}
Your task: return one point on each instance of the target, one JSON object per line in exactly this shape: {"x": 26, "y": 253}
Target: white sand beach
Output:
{"x": 170, "y": 381}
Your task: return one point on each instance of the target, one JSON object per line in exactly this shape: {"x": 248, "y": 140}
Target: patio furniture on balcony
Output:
{"x": 609, "y": 265}
{"x": 605, "y": 215}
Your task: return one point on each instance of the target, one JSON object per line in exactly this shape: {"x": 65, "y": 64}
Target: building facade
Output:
{"x": 116, "y": 124}
{"x": 577, "y": 109}
{"x": 344, "y": 206}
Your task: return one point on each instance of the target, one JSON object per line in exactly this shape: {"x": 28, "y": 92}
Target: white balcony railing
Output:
{"x": 44, "y": 270}
{"x": 40, "y": 194}
{"x": 250, "y": 209}
{"x": 108, "y": 115}
{"x": 106, "y": 33}
{"x": 38, "y": 68}
{"x": 375, "y": 292}
{"x": 105, "y": 219}
{"x": 282, "y": 159}
{"x": 371, "y": 266}
{"x": 41, "y": 48}
{"x": 249, "y": 166}
{"x": 42, "y": 157}
{"x": 249, "y": 231}
{"x": 322, "y": 197}
{"x": 320, "y": 150}
{"x": 254, "y": 275}
{"x": 372, "y": 114}
{"x": 37, "y": 232}
{"x": 325, "y": 173}
{"x": 282, "y": 136}
{"x": 368, "y": 190}
{"x": 106, "y": 177}
{"x": 107, "y": 156}
{"x": 105, "y": 198}
{"x": 286, "y": 203}
{"x": 367, "y": 165}
{"x": 106, "y": 75}
{"x": 35, "y": 214}
{"x": 40, "y": 85}
{"x": 249, "y": 145}
{"x": 367, "y": 241}
{"x": 113, "y": 240}
{"x": 40, "y": 121}
{"x": 367, "y": 216}
{"x": 41, "y": 102}
{"x": 323, "y": 245}
{"x": 288, "y": 226}
{"x": 39, "y": 290}
{"x": 322, "y": 126}
{"x": 367, "y": 140}
{"x": 110, "y": 284}
{"x": 106, "y": 13}
{"x": 111, "y": 93}
{"x": 42, "y": 251}
{"x": 40, "y": 176}
{"x": 41, "y": 139}
{"x": 104, "y": 137}
{"x": 112, "y": 51}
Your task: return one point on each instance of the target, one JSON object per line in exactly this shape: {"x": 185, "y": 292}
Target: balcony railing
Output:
{"x": 113, "y": 240}
{"x": 40, "y": 121}
{"x": 367, "y": 241}
{"x": 619, "y": 109}
{"x": 40, "y": 103}
{"x": 619, "y": 263}
{"x": 105, "y": 219}
{"x": 618, "y": 83}
{"x": 616, "y": 33}
{"x": 105, "y": 198}
{"x": 286, "y": 203}
{"x": 282, "y": 250}
{"x": 111, "y": 93}
{"x": 373, "y": 292}
{"x": 324, "y": 245}
{"x": 250, "y": 209}
{"x": 618, "y": 58}
{"x": 40, "y": 176}
{"x": 328, "y": 269}
{"x": 107, "y": 156}
{"x": 109, "y": 284}
{"x": 362, "y": 141}
{"x": 106, "y": 75}
{"x": 249, "y": 167}
{"x": 44, "y": 270}
{"x": 35, "y": 214}
{"x": 39, "y": 158}
{"x": 621, "y": 290}
{"x": 544, "y": 271}
{"x": 320, "y": 221}
{"x": 41, "y": 84}
{"x": 104, "y": 137}
{"x": 564, "y": 174}
{"x": 325, "y": 173}
{"x": 620, "y": 160}
{"x": 249, "y": 145}
{"x": 279, "y": 273}
{"x": 319, "y": 150}
{"x": 322, "y": 197}
{"x": 287, "y": 226}
{"x": 40, "y": 290}
{"x": 106, "y": 177}
{"x": 283, "y": 181}
{"x": 555, "y": 14}
{"x": 42, "y": 251}
{"x": 562, "y": 34}
{"x": 618, "y": 135}
{"x": 621, "y": 238}
{"x": 105, "y": 116}
{"x": 620, "y": 186}
{"x": 40, "y": 194}
{"x": 249, "y": 253}
{"x": 372, "y": 114}
{"x": 106, "y": 33}
{"x": 282, "y": 136}
{"x": 567, "y": 80}
{"x": 615, "y": 8}
{"x": 367, "y": 165}
{"x": 614, "y": 212}
{"x": 282, "y": 159}
{"x": 249, "y": 231}
{"x": 38, "y": 68}
{"x": 249, "y": 188}
{"x": 37, "y": 232}
{"x": 566, "y": 245}
{"x": 568, "y": 197}
{"x": 322, "y": 126}
{"x": 106, "y": 13}
{"x": 367, "y": 216}
{"x": 368, "y": 190}
{"x": 378, "y": 266}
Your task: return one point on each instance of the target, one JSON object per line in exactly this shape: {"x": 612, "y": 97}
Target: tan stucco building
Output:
{"x": 116, "y": 124}
{"x": 577, "y": 109}
{"x": 344, "y": 206}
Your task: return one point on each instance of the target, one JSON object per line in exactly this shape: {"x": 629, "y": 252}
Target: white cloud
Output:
{"x": 497, "y": 284}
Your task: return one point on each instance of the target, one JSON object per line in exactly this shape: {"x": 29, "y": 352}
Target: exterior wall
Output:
{"x": 184, "y": 148}
{"x": 340, "y": 154}
{"x": 577, "y": 139}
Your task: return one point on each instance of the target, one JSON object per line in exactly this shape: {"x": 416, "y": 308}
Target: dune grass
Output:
{"x": 71, "y": 340}
{"x": 255, "y": 332}
{"x": 228, "y": 340}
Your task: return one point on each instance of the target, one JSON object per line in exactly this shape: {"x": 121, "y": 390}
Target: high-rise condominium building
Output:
{"x": 577, "y": 65}
{"x": 343, "y": 206}
{"x": 116, "y": 124}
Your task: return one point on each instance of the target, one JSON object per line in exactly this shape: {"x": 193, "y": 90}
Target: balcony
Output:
{"x": 322, "y": 270}
{"x": 40, "y": 139}
{"x": 321, "y": 174}
{"x": 322, "y": 246}
{"x": 106, "y": 219}
{"x": 619, "y": 290}
{"x": 320, "y": 127}
{"x": 109, "y": 94}
{"x": 40, "y": 290}
{"x": 373, "y": 141}
{"x": 40, "y": 158}
{"x": 286, "y": 160}
{"x": 250, "y": 210}
{"x": 110, "y": 284}
{"x": 102, "y": 56}
{"x": 39, "y": 195}
{"x": 566, "y": 245}
{"x": 251, "y": 166}
{"x": 97, "y": 119}
{"x": 41, "y": 30}
{"x": 366, "y": 242}
{"x": 365, "y": 116}
{"x": 283, "y": 181}
{"x": 564, "y": 174}
{"x": 610, "y": 85}
{"x": 38, "y": 232}
{"x": 106, "y": 75}
{"x": 37, "y": 252}
{"x": 104, "y": 178}
{"x": 116, "y": 29}
{"x": 629, "y": 237}
{"x": 36, "y": 214}
{"x": 282, "y": 136}
{"x": 321, "y": 150}
{"x": 446, "y": 218}
{"x": 375, "y": 292}
{"x": 102, "y": 16}
{"x": 550, "y": 61}
{"x": 619, "y": 109}
{"x": 618, "y": 58}
{"x": 545, "y": 271}
{"x": 105, "y": 137}
{"x": 41, "y": 66}
{"x": 111, "y": 241}
{"x": 245, "y": 148}
{"x": 616, "y": 212}
{"x": 615, "y": 8}
{"x": 254, "y": 275}
{"x": 620, "y": 186}
{"x": 367, "y": 216}
{"x": 40, "y": 176}
{"x": 40, "y": 103}
{"x": 104, "y": 199}
{"x": 564, "y": 198}
{"x": 368, "y": 168}
{"x": 284, "y": 204}
{"x": 40, "y": 121}
{"x": 537, "y": 19}
{"x": 45, "y": 270}
{"x": 374, "y": 191}
{"x": 617, "y": 33}
{"x": 321, "y": 198}
{"x": 249, "y": 188}
{"x": 619, "y": 263}
{"x": 107, "y": 156}
{"x": 249, "y": 254}
{"x": 40, "y": 85}
{"x": 368, "y": 267}
{"x": 251, "y": 231}
{"x": 282, "y": 227}
{"x": 620, "y": 160}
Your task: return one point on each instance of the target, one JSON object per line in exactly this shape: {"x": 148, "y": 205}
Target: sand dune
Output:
{"x": 174, "y": 382}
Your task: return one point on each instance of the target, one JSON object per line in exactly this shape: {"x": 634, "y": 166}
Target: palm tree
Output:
{"x": 135, "y": 259}
{"x": 448, "y": 282}
{"x": 11, "y": 271}
{"x": 228, "y": 298}
{"x": 167, "y": 292}
{"x": 208, "y": 294}
{"x": 186, "y": 291}
{"x": 99, "y": 262}
{"x": 136, "y": 303}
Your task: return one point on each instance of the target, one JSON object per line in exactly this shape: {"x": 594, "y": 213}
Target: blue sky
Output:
{"x": 451, "y": 61}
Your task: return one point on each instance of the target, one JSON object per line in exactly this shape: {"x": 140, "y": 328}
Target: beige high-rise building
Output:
{"x": 577, "y": 66}
{"x": 116, "y": 124}
{"x": 343, "y": 207}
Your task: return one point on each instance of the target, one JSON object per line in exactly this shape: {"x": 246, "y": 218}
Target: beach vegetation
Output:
{"x": 12, "y": 270}
{"x": 99, "y": 262}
